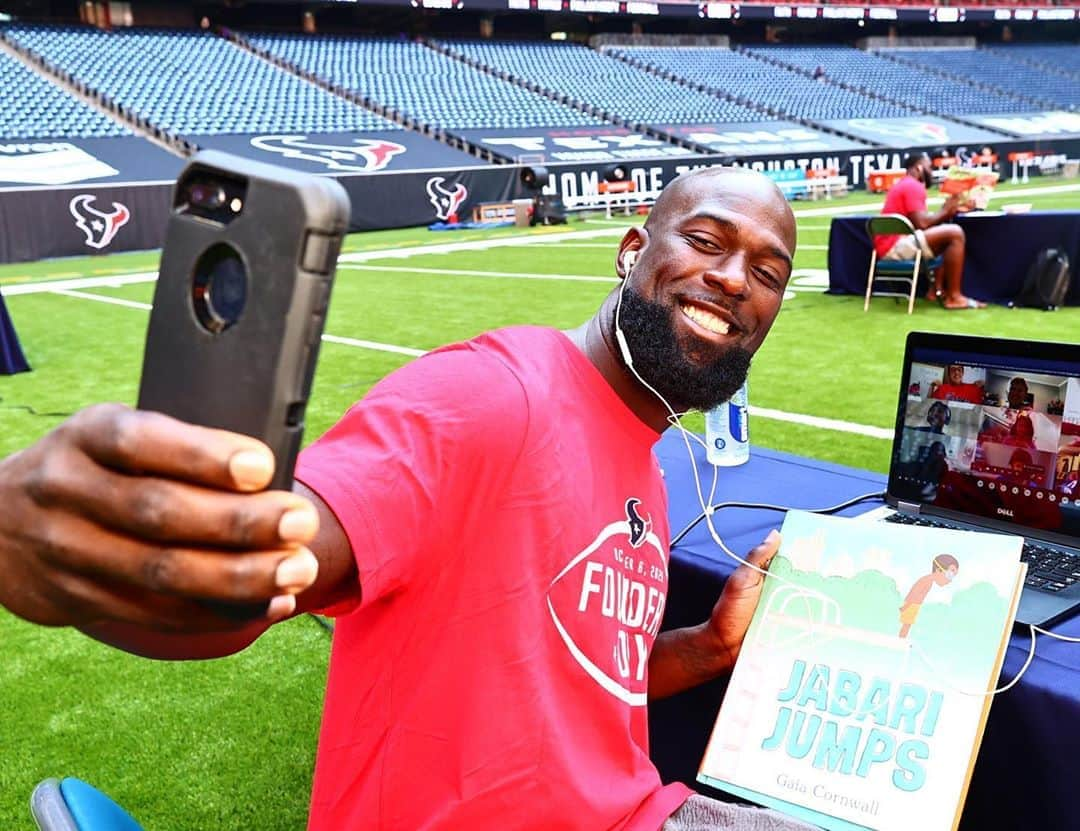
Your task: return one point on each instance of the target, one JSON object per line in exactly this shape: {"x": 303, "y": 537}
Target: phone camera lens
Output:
{"x": 206, "y": 196}
{"x": 219, "y": 288}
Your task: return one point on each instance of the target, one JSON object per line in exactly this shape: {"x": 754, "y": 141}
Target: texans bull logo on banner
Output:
{"x": 356, "y": 156}
{"x": 99, "y": 227}
{"x": 444, "y": 200}
{"x": 916, "y": 132}
{"x": 608, "y": 602}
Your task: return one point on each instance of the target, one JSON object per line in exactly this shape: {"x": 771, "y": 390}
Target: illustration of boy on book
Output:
{"x": 944, "y": 569}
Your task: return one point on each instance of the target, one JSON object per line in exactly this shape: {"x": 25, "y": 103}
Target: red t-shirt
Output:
{"x": 906, "y": 197}
{"x": 958, "y": 392}
{"x": 509, "y": 524}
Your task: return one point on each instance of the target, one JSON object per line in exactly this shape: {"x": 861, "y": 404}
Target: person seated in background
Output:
{"x": 954, "y": 388}
{"x": 937, "y": 417}
{"x": 934, "y": 234}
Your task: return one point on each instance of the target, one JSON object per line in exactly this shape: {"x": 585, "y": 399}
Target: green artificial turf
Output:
{"x": 230, "y": 744}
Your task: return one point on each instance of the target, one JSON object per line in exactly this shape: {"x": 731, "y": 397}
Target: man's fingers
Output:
{"x": 760, "y": 557}
{"x": 167, "y": 511}
{"x": 74, "y": 545}
{"x": 87, "y": 598}
{"x": 156, "y": 444}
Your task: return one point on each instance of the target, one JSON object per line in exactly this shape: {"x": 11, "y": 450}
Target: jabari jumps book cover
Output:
{"x": 861, "y": 692}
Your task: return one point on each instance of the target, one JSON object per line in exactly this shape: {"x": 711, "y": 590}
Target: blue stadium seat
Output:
{"x": 43, "y": 110}
{"x": 193, "y": 82}
{"x": 421, "y": 82}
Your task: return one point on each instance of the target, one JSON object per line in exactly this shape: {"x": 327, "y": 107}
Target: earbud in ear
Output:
{"x": 628, "y": 260}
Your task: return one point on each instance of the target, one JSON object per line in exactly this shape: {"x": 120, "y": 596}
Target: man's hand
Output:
{"x": 134, "y": 518}
{"x": 683, "y": 658}
{"x": 951, "y": 206}
{"x": 731, "y": 615}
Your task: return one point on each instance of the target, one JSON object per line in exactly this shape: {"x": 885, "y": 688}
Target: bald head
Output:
{"x": 745, "y": 190}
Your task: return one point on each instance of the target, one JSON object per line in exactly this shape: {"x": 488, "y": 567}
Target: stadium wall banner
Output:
{"x": 1047, "y": 124}
{"x": 578, "y": 186}
{"x": 344, "y": 153}
{"x": 402, "y": 200}
{"x": 761, "y": 137}
{"x": 76, "y": 221}
{"x": 67, "y": 161}
{"x": 909, "y": 132}
{"x": 592, "y": 143}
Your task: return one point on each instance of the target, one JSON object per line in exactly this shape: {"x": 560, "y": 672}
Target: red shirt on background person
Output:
{"x": 905, "y": 197}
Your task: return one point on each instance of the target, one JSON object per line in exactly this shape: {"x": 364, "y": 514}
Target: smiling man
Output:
{"x": 488, "y": 525}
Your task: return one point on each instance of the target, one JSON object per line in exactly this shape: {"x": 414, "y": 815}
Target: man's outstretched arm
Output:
{"x": 123, "y": 523}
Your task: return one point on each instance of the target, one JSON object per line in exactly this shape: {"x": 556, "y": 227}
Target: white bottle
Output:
{"x": 727, "y": 431}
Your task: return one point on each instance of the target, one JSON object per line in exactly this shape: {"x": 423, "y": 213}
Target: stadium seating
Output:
{"x": 1041, "y": 87}
{"x": 1057, "y": 64}
{"x": 192, "y": 83}
{"x": 422, "y": 83}
{"x": 775, "y": 87}
{"x": 919, "y": 88}
{"x": 614, "y": 86}
{"x": 43, "y": 110}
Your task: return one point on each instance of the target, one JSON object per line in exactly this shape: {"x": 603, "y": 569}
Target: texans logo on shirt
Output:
{"x": 608, "y": 602}
{"x": 639, "y": 527}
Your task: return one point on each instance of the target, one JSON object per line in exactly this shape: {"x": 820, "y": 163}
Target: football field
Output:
{"x": 230, "y": 744}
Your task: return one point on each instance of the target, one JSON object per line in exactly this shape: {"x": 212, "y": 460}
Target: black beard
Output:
{"x": 665, "y": 365}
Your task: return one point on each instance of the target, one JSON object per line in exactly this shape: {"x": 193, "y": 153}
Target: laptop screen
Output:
{"x": 989, "y": 429}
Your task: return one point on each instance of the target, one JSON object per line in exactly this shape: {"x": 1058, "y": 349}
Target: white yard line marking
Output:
{"x": 370, "y": 344}
{"x": 520, "y": 275}
{"x": 761, "y": 412}
{"x": 101, "y": 298}
{"x": 826, "y": 423}
{"x": 479, "y": 245}
{"x": 82, "y": 283}
{"x": 606, "y": 245}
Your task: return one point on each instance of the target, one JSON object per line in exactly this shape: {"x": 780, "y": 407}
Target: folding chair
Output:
{"x": 894, "y": 271}
{"x": 72, "y": 805}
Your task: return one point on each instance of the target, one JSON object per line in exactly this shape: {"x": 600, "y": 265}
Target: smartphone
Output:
{"x": 241, "y": 298}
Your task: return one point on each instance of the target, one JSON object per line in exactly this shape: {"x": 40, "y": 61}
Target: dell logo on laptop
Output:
{"x": 1005, "y": 512}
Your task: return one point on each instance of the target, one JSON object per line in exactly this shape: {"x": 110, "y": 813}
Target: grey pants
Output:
{"x": 700, "y": 813}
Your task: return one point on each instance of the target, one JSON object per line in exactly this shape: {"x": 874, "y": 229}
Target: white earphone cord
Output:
{"x": 708, "y": 508}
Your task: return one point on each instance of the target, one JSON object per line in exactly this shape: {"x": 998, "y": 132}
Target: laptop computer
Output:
{"x": 987, "y": 438}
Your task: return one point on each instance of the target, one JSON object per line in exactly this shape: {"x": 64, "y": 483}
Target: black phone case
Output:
{"x": 255, "y": 376}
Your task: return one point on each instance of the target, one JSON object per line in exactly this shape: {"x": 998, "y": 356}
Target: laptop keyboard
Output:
{"x": 1050, "y": 569}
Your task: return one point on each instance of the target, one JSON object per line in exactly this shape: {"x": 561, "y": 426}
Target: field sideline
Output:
{"x": 230, "y": 744}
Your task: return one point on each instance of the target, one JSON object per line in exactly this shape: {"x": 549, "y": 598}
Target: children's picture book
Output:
{"x": 860, "y": 695}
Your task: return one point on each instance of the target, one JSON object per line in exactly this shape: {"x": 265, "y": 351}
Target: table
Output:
{"x": 1028, "y": 765}
{"x": 11, "y": 356}
{"x": 1000, "y": 248}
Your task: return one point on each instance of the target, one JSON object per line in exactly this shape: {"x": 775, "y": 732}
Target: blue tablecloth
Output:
{"x": 11, "y": 356}
{"x": 1028, "y": 764}
{"x": 999, "y": 251}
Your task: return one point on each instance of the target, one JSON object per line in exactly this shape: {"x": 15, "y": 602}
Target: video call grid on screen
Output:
{"x": 993, "y": 437}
